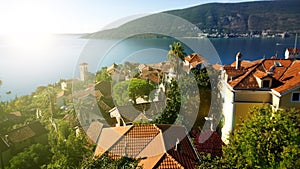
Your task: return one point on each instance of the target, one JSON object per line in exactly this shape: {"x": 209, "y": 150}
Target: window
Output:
{"x": 278, "y": 64}
{"x": 266, "y": 84}
{"x": 296, "y": 97}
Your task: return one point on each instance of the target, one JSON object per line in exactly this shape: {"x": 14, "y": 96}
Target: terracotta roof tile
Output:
{"x": 244, "y": 78}
{"x": 195, "y": 59}
{"x": 293, "y": 50}
{"x": 290, "y": 79}
{"x": 209, "y": 142}
{"x": 260, "y": 74}
{"x": 23, "y": 133}
{"x": 108, "y": 137}
{"x": 155, "y": 144}
{"x": 150, "y": 162}
{"x": 134, "y": 141}
{"x": 168, "y": 162}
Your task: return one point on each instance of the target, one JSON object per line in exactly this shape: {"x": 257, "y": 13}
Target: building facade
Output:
{"x": 246, "y": 84}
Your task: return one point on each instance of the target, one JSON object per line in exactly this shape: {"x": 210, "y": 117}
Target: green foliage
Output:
{"x": 132, "y": 89}
{"x": 103, "y": 75}
{"x": 171, "y": 112}
{"x": 68, "y": 148}
{"x": 175, "y": 54}
{"x": 202, "y": 78}
{"x": 120, "y": 94}
{"x": 207, "y": 161}
{"x": 105, "y": 162}
{"x": 139, "y": 88}
{"x": 243, "y": 17}
{"x": 270, "y": 139}
{"x": 32, "y": 157}
{"x": 176, "y": 51}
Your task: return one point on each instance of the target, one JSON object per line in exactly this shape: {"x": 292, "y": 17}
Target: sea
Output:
{"x": 29, "y": 62}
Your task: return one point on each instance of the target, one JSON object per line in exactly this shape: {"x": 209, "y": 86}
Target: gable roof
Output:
{"x": 131, "y": 112}
{"x": 26, "y": 132}
{"x": 194, "y": 59}
{"x": 154, "y": 144}
{"x": 290, "y": 79}
{"x": 94, "y": 130}
{"x": 285, "y": 74}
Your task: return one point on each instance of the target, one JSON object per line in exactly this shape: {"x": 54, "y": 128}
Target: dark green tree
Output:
{"x": 120, "y": 93}
{"x": 103, "y": 75}
{"x": 139, "y": 88}
{"x": 69, "y": 148}
{"x": 175, "y": 55}
{"x": 105, "y": 162}
{"x": 32, "y": 157}
{"x": 268, "y": 139}
{"x": 170, "y": 114}
{"x": 202, "y": 78}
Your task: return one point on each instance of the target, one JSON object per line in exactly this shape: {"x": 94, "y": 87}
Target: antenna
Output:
{"x": 295, "y": 45}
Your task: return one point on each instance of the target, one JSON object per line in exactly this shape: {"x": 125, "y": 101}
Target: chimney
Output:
{"x": 210, "y": 119}
{"x": 238, "y": 60}
{"x": 177, "y": 146}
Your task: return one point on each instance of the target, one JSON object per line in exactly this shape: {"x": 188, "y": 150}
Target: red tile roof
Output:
{"x": 26, "y": 132}
{"x": 284, "y": 75}
{"x": 290, "y": 79}
{"x": 209, "y": 142}
{"x": 155, "y": 144}
{"x": 195, "y": 59}
{"x": 293, "y": 50}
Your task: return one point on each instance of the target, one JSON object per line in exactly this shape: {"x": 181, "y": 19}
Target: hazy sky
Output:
{"x": 75, "y": 16}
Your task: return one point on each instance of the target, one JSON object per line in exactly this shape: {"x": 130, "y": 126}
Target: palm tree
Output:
{"x": 175, "y": 53}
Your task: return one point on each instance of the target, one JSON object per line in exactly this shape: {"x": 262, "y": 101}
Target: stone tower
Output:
{"x": 83, "y": 71}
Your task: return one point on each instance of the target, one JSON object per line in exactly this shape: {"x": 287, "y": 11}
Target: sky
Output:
{"x": 78, "y": 16}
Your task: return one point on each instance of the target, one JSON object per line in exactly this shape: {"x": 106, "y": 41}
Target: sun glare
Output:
{"x": 28, "y": 26}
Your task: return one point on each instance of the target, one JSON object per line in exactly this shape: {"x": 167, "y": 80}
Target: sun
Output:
{"x": 28, "y": 25}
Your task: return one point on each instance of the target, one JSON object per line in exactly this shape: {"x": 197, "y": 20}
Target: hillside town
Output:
{"x": 148, "y": 115}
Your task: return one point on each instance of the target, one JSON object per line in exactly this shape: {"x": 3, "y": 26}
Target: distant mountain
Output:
{"x": 275, "y": 16}
{"x": 257, "y": 16}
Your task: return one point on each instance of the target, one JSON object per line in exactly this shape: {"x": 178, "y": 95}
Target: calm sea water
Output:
{"x": 25, "y": 65}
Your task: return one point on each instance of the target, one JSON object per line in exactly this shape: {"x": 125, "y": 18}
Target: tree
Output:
{"x": 69, "y": 148}
{"x": 120, "y": 94}
{"x": 139, "y": 88}
{"x": 132, "y": 89}
{"x": 202, "y": 78}
{"x": 175, "y": 54}
{"x": 270, "y": 139}
{"x": 32, "y": 157}
{"x": 103, "y": 75}
{"x": 105, "y": 162}
{"x": 170, "y": 114}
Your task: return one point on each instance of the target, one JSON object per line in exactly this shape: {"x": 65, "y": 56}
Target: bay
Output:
{"x": 25, "y": 66}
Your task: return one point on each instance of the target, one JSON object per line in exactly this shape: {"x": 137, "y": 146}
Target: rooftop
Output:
{"x": 285, "y": 74}
{"x": 159, "y": 146}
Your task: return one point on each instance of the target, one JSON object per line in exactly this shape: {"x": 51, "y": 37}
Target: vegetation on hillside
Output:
{"x": 269, "y": 139}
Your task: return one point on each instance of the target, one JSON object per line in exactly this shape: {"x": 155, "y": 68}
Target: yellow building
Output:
{"x": 246, "y": 84}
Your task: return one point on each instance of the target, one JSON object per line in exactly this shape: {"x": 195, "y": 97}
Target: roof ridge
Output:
{"x": 248, "y": 73}
{"x": 172, "y": 158}
{"x": 290, "y": 65}
{"x": 123, "y": 135}
{"x": 165, "y": 156}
